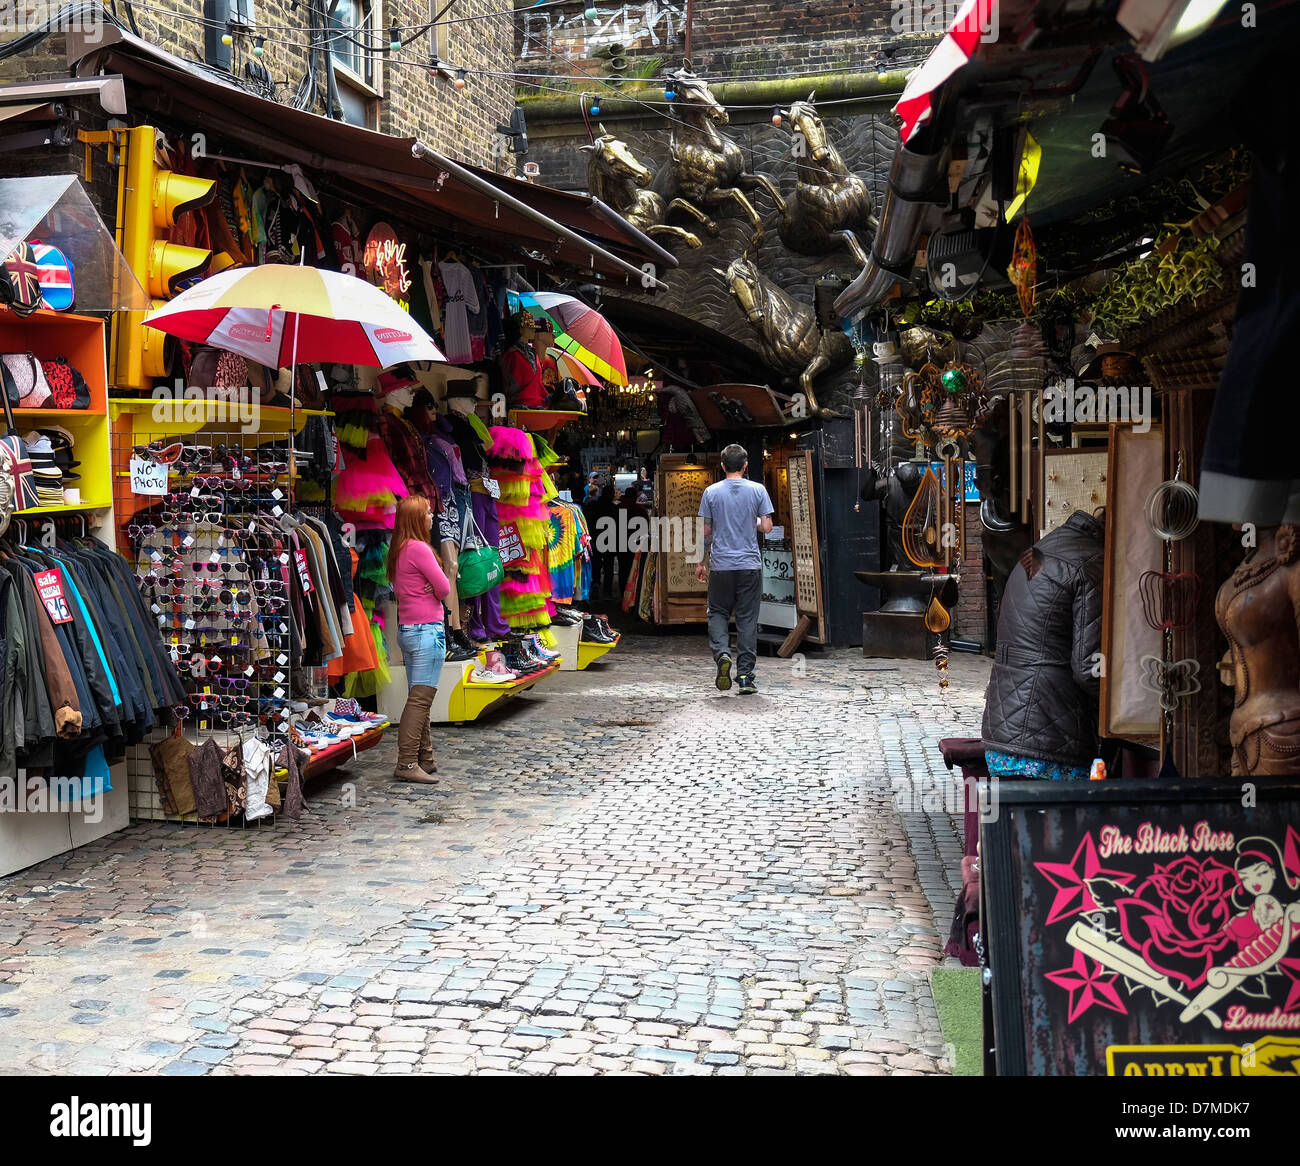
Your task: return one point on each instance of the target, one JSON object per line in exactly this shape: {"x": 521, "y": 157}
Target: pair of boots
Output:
{"x": 415, "y": 739}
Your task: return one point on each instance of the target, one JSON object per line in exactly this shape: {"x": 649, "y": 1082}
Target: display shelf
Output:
{"x": 64, "y": 509}
{"x": 543, "y": 420}
{"x": 467, "y": 701}
{"x": 575, "y": 653}
{"x": 331, "y": 758}
{"x": 272, "y": 420}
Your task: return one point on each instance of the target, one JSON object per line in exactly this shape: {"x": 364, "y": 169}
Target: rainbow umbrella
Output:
{"x": 571, "y": 366}
{"x": 582, "y": 332}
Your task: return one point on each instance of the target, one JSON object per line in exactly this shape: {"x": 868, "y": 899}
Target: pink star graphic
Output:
{"x": 1292, "y": 970}
{"x": 1087, "y": 988}
{"x": 1071, "y": 882}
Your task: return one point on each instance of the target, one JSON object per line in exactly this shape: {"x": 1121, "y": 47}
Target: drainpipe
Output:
{"x": 912, "y": 181}
{"x": 690, "y": 21}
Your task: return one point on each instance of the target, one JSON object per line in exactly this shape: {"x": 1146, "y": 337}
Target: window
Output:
{"x": 440, "y": 34}
{"x": 357, "y": 23}
{"x": 242, "y": 14}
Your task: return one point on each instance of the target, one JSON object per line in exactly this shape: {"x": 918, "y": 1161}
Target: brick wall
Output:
{"x": 731, "y": 38}
{"x": 970, "y": 620}
{"x": 460, "y": 123}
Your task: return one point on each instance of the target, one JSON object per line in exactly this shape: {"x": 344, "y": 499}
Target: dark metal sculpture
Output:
{"x": 831, "y": 205}
{"x": 789, "y": 335}
{"x": 705, "y": 167}
{"x": 616, "y": 177}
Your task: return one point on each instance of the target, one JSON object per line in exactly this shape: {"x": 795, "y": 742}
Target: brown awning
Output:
{"x": 375, "y": 168}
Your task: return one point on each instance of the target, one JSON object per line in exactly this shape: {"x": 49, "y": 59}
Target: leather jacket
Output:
{"x": 1042, "y": 697}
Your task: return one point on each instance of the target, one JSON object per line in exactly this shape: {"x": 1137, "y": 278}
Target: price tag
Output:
{"x": 234, "y": 473}
{"x": 49, "y": 586}
{"x": 282, "y": 659}
{"x": 492, "y": 487}
{"x": 195, "y": 492}
{"x": 155, "y": 609}
{"x": 215, "y": 661}
{"x": 279, "y": 513}
{"x": 187, "y": 541}
{"x": 304, "y": 574}
{"x": 276, "y": 494}
{"x": 249, "y": 670}
{"x": 278, "y": 678}
{"x": 155, "y": 555}
{"x": 148, "y": 477}
{"x": 278, "y": 694}
{"x": 284, "y": 559}
{"x": 190, "y": 625}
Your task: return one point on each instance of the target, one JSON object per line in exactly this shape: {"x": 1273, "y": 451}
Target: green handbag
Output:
{"x": 479, "y": 568}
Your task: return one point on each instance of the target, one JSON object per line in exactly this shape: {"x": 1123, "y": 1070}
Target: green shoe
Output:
{"x": 747, "y": 686}
{"x": 724, "y": 673}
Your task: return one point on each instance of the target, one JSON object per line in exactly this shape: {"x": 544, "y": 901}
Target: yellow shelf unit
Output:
{"x": 464, "y": 700}
{"x": 180, "y": 418}
{"x": 79, "y": 339}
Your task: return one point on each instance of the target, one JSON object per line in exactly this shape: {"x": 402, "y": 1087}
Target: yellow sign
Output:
{"x": 1270, "y": 1056}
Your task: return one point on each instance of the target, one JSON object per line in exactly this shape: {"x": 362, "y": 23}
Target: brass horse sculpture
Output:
{"x": 831, "y": 204}
{"x": 788, "y": 332}
{"x": 705, "y": 167}
{"x": 616, "y": 177}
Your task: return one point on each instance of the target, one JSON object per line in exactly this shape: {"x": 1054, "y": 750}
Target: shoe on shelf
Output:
{"x": 457, "y": 653}
{"x": 458, "y": 637}
{"x": 604, "y": 626}
{"x": 541, "y": 649}
{"x": 496, "y": 665}
{"x": 748, "y": 686}
{"x": 349, "y": 709}
{"x": 723, "y": 679}
{"x": 518, "y": 662}
{"x": 483, "y": 676}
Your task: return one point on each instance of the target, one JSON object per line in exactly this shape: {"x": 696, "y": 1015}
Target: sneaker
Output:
{"x": 483, "y": 676}
{"x": 748, "y": 687}
{"x": 723, "y": 680}
{"x": 593, "y": 633}
{"x": 458, "y": 653}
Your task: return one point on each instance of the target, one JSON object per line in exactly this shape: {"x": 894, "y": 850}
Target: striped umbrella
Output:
{"x": 581, "y": 331}
{"x": 973, "y": 22}
{"x": 278, "y": 315}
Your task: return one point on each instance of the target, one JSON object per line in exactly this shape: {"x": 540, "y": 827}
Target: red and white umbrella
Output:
{"x": 279, "y": 315}
{"x": 973, "y": 22}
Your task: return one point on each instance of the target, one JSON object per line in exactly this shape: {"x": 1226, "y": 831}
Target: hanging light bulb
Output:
{"x": 670, "y": 93}
{"x": 228, "y": 37}
{"x": 882, "y": 67}
{"x": 259, "y": 46}
{"x": 776, "y": 115}
{"x": 394, "y": 40}
{"x": 595, "y": 110}
{"x": 460, "y": 79}
{"x": 592, "y": 13}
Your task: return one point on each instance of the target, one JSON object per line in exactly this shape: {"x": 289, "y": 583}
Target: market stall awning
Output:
{"x": 402, "y": 173}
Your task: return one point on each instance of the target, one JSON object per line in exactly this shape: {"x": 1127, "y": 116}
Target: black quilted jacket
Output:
{"x": 1042, "y": 696}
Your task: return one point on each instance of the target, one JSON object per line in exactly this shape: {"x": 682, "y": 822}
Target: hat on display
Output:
{"x": 46, "y": 475}
{"x": 64, "y": 457}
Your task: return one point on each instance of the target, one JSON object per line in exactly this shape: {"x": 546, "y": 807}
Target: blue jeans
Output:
{"x": 424, "y": 648}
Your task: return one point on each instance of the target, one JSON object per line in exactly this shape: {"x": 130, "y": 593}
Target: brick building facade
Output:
{"x": 396, "y": 93}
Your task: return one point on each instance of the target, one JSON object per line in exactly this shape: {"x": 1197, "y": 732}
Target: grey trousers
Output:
{"x": 739, "y": 592}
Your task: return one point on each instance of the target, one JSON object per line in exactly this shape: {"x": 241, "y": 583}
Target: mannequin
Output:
{"x": 1257, "y": 610}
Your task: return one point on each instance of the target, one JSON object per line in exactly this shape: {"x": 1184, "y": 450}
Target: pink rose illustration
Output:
{"x": 1176, "y": 917}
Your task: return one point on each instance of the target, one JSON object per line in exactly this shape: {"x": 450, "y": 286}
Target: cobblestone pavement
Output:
{"x": 627, "y": 872}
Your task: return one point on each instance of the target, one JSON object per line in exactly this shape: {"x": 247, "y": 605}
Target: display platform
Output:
{"x": 467, "y": 700}
{"x": 575, "y": 654}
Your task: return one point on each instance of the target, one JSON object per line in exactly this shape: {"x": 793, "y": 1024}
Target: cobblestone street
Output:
{"x": 627, "y": 872}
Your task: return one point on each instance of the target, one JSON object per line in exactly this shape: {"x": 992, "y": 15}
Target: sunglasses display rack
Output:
{"x": 200, "y": 520}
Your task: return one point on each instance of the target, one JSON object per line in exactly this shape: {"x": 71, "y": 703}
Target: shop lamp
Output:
{"x": 460, "y": 79}
{"x": 259, "y": 46}
{"x": 394, "y": 40}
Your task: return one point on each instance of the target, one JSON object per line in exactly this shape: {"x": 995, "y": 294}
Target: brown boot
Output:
{"x": 427, "y": 762}
{"x": 409, "y": 731}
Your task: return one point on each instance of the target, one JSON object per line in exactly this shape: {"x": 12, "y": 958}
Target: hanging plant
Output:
{"x": 1177, "y": 269}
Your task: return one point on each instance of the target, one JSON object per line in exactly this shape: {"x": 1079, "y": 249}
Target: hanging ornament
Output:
{"x": 937, "y": 619}
{"x": 953, "y": 379}
{"x": 1023, "y": 271}
{"x": 941, "y": 663}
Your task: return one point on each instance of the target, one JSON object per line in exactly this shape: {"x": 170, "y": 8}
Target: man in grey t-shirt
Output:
{"x": 736, "y": 513}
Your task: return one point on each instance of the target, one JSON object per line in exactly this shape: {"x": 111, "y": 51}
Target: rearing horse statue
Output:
{"x": 831, "y": 204}
{"x": 615, "y": 177}
{"x": 705, "y": 167}
{"x": 789, "y": 335}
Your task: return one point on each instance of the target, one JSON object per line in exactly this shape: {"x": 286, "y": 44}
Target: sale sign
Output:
{"x": 49, "y": 586}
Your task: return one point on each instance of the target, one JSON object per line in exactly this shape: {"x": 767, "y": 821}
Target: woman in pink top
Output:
{"x": 421, "y": 586}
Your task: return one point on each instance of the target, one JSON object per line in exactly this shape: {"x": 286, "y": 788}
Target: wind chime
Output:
{"x": 1169, "y": 599}
{"x": 940, "y": 408}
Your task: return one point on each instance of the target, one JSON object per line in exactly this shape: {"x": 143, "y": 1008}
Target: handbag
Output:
{"x": 20, "y": 281}
{"x": 24, "y": 378}
{"x": 58, "y": 286}
{"x": 68, "y": 387}
{"x": 17, "y": 480}
{"x": 479, "y": 568}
